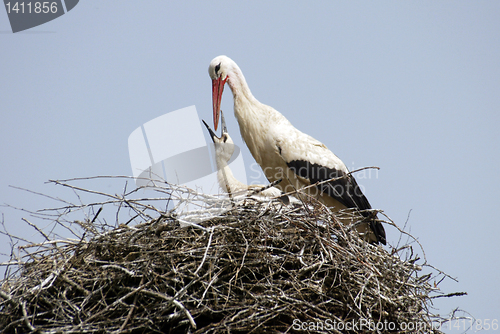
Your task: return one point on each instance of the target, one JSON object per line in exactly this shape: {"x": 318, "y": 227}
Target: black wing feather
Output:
{"x": 343, "y": 188}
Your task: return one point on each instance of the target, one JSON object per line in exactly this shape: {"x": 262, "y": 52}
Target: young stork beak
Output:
{"x": 223, "y": 128}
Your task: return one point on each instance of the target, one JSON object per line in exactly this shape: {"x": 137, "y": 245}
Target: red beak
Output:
{"x": 217, "y": 89}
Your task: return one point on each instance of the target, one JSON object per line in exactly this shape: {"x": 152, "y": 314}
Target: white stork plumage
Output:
{"x": 283, "y": 152}
{"x": 224, "y": 149}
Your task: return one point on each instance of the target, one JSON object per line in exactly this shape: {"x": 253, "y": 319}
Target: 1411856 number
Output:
{"x": 28, "y": 7}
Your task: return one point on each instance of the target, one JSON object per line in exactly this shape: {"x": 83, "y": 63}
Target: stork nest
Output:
{"x": 254, "y": 267}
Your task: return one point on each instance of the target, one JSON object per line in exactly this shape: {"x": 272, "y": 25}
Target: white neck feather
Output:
{"x": 238, "y": 84}
{"x": 226, "y": 179}
{"x": 253, "y": 117}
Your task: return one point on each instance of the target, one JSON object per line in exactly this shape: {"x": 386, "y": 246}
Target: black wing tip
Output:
{"x": 284, "y": 199}
{"x": 379, "y": 231}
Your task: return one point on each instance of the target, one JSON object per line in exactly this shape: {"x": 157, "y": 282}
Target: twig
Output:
{"x": 206, "y": 252}
{"x": 25, "y": 317}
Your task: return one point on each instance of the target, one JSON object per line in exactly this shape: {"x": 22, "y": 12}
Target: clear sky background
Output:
{"x": 410, "y": 87}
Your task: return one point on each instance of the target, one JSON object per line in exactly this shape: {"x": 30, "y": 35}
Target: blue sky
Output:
{"x": 410, "y": 87}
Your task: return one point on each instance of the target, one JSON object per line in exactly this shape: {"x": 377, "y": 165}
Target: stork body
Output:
{"x": 224, "y": 149}
{"x": 284, "y": 152}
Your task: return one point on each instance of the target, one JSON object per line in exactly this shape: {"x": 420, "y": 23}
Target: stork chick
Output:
{"x": 224, "y": 149}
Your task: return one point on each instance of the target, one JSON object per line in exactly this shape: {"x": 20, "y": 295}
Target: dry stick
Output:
{"x": 390, "y": 222}
{"x": 235, "y": 277}
{"x": 183, "y": 291}
{"x": 270, "y": 185}
{"x": 97, "y": 214}
{"x": 25, "y": 317}
{"x": 129, "y": 315}
{"x": 130, "y": 273}
{"x": 243, "y": 258}
{"x": 448, "y": 295}
{"x": 214, "y": 279}
{"x": 176, "y": 303}
{"x": 9, "y": 298}
{"x": 116, "y": 302}
{"x": 330, "y": 180}
{"x": 206, "y": 251}
{"x": 186, "y": 311}
{"x": 36, "y": 228}
{"x": 41, "y": 194}
{"x": 83, "y": 189}
{"x": 117, "y": 198}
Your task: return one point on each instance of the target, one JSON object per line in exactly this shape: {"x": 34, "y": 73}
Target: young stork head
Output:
{"x": 224, "y": 145}
{"x": 220, "y": 69}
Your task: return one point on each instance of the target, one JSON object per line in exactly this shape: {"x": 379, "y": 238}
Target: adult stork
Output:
{"x": 283, "y": 152}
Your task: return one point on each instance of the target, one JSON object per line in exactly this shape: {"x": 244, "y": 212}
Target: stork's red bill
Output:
{"x": 217, "y": 89}
{"x": 284, "y": 152}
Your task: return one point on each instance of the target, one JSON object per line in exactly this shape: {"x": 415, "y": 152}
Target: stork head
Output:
{"x": 224, "y": 145}
{"x": 219, "y": 73}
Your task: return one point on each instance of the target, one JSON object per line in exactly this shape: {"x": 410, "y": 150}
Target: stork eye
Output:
{"x": 224, "y": 138}
{"x": 217, "y": 68}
